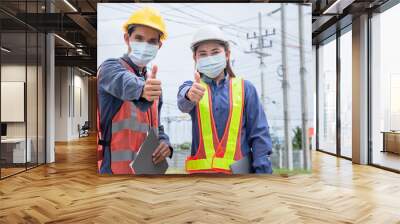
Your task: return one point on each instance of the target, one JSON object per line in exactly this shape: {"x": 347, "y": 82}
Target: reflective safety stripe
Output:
{"x": 205, "y": 118}
{"x": 199, "y": 164}
{"x": 123, "y": 155}
{"x": 222, "y": 163}
{"x": 131, "y": 124}
{"x": 133, "y": 110}
{"x": 234, "y": 126}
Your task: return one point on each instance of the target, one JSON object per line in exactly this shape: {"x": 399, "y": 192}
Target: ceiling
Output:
{"x": 75, "y": 43}
{"x": 75, "y": 23}
{"x": 329, "y": 16}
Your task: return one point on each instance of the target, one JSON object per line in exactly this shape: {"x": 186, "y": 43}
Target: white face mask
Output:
{"x": 212, "y": 66}
{"x": 142, "y": 53}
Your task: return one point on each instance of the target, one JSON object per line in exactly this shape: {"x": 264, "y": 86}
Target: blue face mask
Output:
{"x": 212, "y": 66}
{"x": 142, "y": 53}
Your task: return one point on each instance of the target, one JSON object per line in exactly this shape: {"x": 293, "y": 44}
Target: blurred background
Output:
{"x": 271, "y": 47}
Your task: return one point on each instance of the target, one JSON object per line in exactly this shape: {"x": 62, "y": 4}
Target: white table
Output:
{"x": 18, "y": 149}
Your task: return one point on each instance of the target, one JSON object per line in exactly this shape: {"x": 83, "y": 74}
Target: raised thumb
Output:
{"x": 197, "y": 77}
{"x": 153, "y": 73}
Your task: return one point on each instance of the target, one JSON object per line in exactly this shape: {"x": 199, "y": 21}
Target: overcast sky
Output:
{"x": 175, "y": 60}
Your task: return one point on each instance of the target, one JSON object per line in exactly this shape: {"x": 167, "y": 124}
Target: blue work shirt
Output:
{"x": 117, "y": 84}
{"x": 255, "y": 137}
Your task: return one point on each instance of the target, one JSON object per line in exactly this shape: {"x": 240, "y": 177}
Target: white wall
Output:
{"x": 79, "y": 117}
{"x": 70, "y": 84}
{"x": 61, "y": 103}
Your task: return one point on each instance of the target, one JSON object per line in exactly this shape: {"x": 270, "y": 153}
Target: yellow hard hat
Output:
{"x": 148, "y": 17}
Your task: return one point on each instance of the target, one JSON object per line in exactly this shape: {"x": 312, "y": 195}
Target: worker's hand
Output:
{"x": 196, "y": 92}
{"x": 161, "y": 152}
{"x": 152, "y": 87}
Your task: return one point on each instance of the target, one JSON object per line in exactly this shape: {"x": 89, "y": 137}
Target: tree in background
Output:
{"x": 296, "y": 141}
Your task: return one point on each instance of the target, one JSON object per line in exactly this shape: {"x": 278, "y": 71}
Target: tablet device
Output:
{"x": 143, "y": 163}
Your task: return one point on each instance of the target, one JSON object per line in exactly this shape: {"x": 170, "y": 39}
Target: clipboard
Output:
{"x": 242, "y": 166}
{"x": 143, "y": 163}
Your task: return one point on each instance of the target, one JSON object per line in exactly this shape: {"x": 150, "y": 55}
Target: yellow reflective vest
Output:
{"x": 216, "y": 155}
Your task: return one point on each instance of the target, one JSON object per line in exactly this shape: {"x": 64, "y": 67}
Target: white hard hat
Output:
{"x": 208, "y": 32}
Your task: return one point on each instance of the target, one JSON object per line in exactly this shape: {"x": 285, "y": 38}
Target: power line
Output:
{"x": 232, "y": 25}
{"x": 259, "y": 51}
{"x": 201, "y": 20}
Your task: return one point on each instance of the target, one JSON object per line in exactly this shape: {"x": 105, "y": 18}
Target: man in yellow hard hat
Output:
{"x": 129, "y": 96}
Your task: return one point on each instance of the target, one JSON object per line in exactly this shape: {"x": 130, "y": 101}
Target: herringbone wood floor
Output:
{"x": 70, "y": 191}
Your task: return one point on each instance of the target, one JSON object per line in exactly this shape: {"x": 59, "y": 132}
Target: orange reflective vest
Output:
{"x": 129, "y": 130}
{"x": 215, "y": 155}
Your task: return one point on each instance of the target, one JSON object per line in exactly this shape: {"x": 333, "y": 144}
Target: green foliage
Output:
{"x": 296, "y": 141}
{"x": 287, "y": 172}
{"x": 185, "y": 146}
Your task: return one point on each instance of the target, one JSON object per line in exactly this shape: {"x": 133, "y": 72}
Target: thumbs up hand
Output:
{"x": 152, "y": 87}
{"x": 196, "y": 92}
{"x": 153, "y": 73}
{"x": 197, "y": 77}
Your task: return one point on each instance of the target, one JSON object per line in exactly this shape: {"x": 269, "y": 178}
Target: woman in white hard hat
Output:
{"x": 229, "y": 126}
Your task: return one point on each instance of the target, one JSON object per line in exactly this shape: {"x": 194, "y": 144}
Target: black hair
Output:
{"x": 132, "y": 27}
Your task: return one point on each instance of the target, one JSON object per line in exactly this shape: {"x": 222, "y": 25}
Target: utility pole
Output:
{"x": 303, "y": 88}
{"x": 288, "y": 162}
{"x": 259, "y": 50}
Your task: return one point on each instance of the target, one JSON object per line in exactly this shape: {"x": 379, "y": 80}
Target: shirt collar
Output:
{"x": 134, "y": 66}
